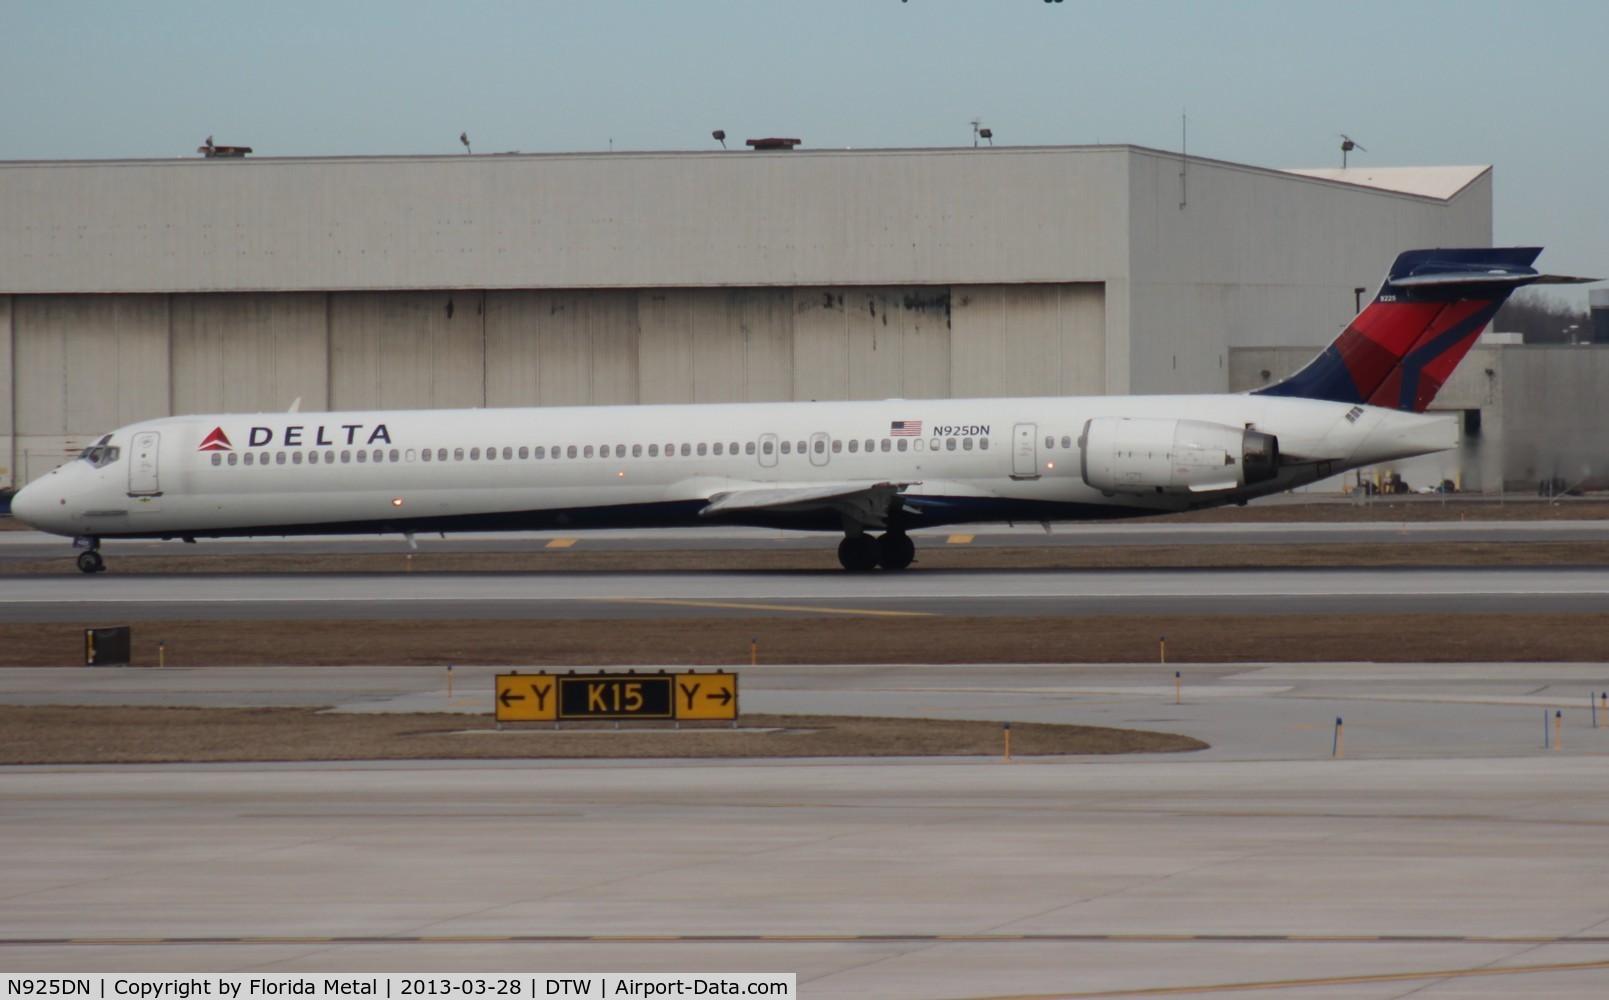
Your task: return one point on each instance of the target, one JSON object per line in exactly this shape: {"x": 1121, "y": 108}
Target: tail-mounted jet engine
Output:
{"x": 1144, "y": 455}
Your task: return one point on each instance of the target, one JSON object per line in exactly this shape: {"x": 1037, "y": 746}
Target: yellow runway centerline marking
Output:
{"x": 561, "y": 543}
{"x": 742, "y": 606}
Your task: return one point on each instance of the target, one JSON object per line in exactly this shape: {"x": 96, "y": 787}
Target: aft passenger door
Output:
{"x": 142, "y": 470}
{"x": 1025, "y": 451}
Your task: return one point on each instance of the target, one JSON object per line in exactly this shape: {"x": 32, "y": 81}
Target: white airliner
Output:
{"x": 872, "y": 470}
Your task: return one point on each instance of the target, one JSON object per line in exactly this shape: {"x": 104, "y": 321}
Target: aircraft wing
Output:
{"x": 866, "y": 503}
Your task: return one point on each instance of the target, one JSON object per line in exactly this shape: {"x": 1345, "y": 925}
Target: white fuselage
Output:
{"x": 417, "y": 470}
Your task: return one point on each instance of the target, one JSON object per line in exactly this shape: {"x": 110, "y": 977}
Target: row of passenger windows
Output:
{"x": 540, "y": 452}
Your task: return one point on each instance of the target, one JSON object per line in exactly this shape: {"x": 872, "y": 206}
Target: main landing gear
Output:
{"x": 90, "y": 561}
{"x": 863, "y": 553}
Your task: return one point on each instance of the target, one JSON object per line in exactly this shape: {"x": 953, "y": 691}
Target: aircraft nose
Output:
{"x": 32, "y": 504}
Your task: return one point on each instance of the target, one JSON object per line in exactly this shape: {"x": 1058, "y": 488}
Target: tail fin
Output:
{"x": 1405, "y": 344}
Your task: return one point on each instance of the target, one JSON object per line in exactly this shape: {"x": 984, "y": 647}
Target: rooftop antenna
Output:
{"x": 1348, "y": 144}
{"x": 976, "y": 132}
{"x": 719, "y": 135}
{"x": 1184, "y": 154}
{"x": 463, "y": 137}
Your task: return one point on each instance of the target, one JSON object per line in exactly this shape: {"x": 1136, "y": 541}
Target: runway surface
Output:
{"x": 1444, "y": 852}
{"x": 393, "y": 596}
{"x": 17, "y": 546}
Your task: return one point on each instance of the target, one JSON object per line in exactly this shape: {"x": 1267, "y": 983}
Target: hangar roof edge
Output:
{"x": 1427, "y": 182}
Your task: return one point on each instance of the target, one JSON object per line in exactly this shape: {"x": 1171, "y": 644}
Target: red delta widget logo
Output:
{"x": 300, "y": 436}
{"x": 216, "y": 441}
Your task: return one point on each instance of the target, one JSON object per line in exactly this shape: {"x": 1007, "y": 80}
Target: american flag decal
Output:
{"x": 905, "y": 428}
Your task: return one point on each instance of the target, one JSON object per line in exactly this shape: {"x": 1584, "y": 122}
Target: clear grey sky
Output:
{"x": 1521, "y": 84}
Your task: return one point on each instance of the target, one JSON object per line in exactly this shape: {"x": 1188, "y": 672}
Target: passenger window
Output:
{"x": 733, "y": 447}
{"x": 296, "y": 458}
{"x": 379, "y": 456}
{"x": 983, "y": 444}
{"x": 233, "y": 458}
{"x": 748, "y": 448}
{"x": 821, "y": 447}
{"x": 523, "y": 453}
{"x": 636, "y": 451}
{"x": 837, "y": 446}
{"x": 703, "y": 449}
{"x": 887, "y": 444}
{"x": 1066, "y": 441}
{"x": 767, "y": 447}
{"x": 217, "y": 459}
{"x": 508, "y": 453}
{"x": 966, "y": 444}
{"x": 586, "y": 452}
{"x": 539, "y": 452}
{"x": 570, "y": 451}
{"x": 687, "y": 449}
{"x": 801, "y": 447}
{"x": 474, "y": 454}
{"x": 346, "y": 458}
{"x": 620, "y": 451}
{"x": 394, "y": 455}
{"x": 787, "y": 447}
{"x": 903, "y": 443}
{"x": 363, "y": 456}
{"x": 653, "y": 451}
{"x": 919, "y": 444}
{"x": 854, "y": 445}
{"x": 717, "y": 447}
{"x": 870, "y": 444}
{"x": 1050, "y": 442}
{"x": 949, "y": 444}
{"x": 458, "y": 455}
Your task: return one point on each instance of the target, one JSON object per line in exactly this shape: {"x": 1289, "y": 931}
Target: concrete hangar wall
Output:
{"x": 135, "y": 289}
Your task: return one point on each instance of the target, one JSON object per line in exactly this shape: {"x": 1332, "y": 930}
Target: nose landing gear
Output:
{"x": 90, "y": 561}
{"x": 893, "y": 550}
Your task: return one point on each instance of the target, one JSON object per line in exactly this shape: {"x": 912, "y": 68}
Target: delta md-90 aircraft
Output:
{"x": 872, "y": 470}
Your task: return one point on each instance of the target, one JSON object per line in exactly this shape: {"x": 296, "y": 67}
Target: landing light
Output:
{"x": 396, "y": 501}
{"x": 1050, "y": 465}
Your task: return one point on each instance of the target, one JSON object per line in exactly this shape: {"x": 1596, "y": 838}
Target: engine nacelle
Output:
{"x": 1147, "y": 455}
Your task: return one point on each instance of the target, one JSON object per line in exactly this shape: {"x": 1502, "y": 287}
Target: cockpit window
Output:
{"x": 100, "y": 455}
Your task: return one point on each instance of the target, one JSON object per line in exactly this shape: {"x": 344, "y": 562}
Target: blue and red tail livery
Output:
{"x": 1400, "y": 350}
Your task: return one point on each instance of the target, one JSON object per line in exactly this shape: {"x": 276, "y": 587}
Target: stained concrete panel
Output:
{"x": 249, "y": 353}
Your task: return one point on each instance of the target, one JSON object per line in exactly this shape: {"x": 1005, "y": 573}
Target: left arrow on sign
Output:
{"x": 509, "y": 696}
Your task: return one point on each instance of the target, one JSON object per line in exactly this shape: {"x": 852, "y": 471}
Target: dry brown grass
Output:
{"x": 792, "y": 639}
{"x": 82, "y": 735}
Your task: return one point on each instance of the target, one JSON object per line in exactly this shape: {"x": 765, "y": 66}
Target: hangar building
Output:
{"x": 142, "y": 288}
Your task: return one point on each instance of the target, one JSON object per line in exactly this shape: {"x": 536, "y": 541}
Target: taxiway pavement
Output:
{"x": 388, "y": 596}
{"x": 1444, "y": 852}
